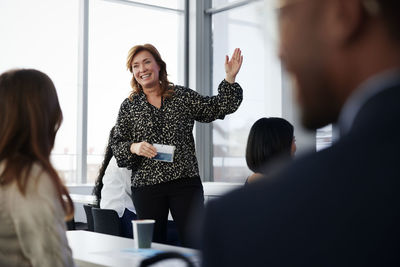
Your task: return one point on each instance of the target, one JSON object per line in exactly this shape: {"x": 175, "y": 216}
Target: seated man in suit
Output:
{"x": 338, "y": 206}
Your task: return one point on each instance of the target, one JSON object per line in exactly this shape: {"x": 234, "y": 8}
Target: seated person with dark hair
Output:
{"x": 269, "y": 139}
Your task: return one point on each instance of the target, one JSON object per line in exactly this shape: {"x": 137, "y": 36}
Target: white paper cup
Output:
{"x": 143, "y": 233}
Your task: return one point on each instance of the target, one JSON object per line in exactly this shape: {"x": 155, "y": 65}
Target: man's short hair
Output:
{"x": 390, "y": 10}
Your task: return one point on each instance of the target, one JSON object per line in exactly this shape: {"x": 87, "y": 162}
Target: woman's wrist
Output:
{"x": 230, "y": 79}
{"x": 132, "y": 148}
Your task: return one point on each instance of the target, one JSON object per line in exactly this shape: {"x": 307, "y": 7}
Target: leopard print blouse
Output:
{"x": 171, "y": 124}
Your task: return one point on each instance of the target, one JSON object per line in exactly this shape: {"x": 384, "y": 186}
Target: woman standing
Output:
{"x": 160, "y": 113}
{"x": 34, "y": 203}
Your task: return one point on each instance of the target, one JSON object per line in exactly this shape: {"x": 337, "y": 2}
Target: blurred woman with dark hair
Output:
{"x": 269, "y": 139}
{"x": 34, "y": 203}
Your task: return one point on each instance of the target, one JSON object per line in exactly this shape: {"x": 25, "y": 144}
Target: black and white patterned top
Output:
{"x": 172, "y": 124}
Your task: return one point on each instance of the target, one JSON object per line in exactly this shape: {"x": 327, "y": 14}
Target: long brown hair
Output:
{"x": 166, "y": 86}
{"x": 30, "y": 116}
{"x": 107, "y": 157}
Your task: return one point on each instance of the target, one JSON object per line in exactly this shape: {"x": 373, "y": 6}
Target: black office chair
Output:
{"x": 89, "y": 217}
{"x": 165, "y": 256}
{"x": 71, "y": 224}
{"x": 106, "y": 221}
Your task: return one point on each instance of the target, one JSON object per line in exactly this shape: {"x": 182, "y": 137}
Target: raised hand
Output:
{"x": 143, "y": 149}
{"x": 233, "y": 65}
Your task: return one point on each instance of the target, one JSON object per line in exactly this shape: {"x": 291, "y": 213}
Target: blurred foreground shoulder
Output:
{"x": 40, "y": 222}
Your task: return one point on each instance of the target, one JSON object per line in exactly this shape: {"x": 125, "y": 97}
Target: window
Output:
{"x": 174, "y": 4}
{"x": 260, "y": 78}
{"x": 218, "y": 3}
{"x": 43, "y": 34}
{"x": 33, "y": 37}
{"x": 324, "y": 137}
{"x": 113, "y": 30}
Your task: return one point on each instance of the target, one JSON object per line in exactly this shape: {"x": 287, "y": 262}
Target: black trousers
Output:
{"x": 184, "y": 197}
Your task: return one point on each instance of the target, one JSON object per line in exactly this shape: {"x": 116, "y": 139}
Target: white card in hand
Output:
{"x": 164, "y": 152}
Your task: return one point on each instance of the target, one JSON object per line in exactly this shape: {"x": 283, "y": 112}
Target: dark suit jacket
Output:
{"x": 337, "y": 207}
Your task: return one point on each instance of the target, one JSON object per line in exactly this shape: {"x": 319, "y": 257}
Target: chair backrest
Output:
{"x": 106, "y": 221}
{"x": 89, "y": 217}
{"x": 71, "y": 224}
{"x": 165, "y": 256}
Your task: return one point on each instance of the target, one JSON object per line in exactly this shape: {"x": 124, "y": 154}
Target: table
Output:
{"x": 92, "y": 249}
{"x": 83, "y": 199}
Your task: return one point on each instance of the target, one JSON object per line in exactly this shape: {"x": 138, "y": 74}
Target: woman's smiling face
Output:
{"x": 145, "y": 69}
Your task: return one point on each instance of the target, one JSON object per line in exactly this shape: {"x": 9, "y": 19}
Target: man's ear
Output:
{"x": 344, "y": 21}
